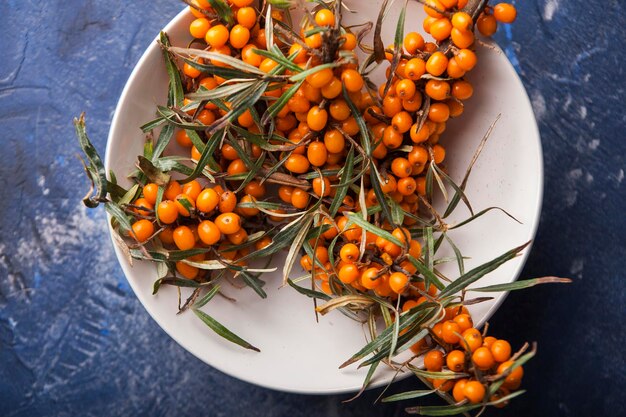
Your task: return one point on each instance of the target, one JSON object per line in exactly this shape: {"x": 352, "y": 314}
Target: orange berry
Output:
{"x": 246, "y": 17}
{"x": 415, "y": 249}
{"x": 350, "y": 42}
{"x": 461, "y": 20}
{"x": 317, "y": 153}
{"x": 182, "y": 201}
{"x": 167, "y": 212}
{"x": 462, "y": 38}
{"x": 462, "y": 90}
{"x": 239, "y": 237}
{"x": 370, "y": 279}
{"x": 255, "y": 189}
{"x": 207, "y": 200}
{"x": 352, "y": 80}
{"x": 504, "y": 12}
{"x": 421, "y": 135}
{"x": 187, "y": 271}
{"x": 440, "y": 29}
{"x": 217, "y": 36}
{"x": 437, "y": 64}
{"x": 473, "y": 339}
{"x": 320, "y": 78}
{"x": 228, "y": 223}
{"x": 437, "y": 89}
{"x": 489, "y": 341}
{"x": 449, "y": 332}
{"x": 150, "y": 192}
{"x": 415, "y": 68}
{"x": 325, "y": 17}
{"x": 433, "y": 8}
{"x": 466, "y": 59}
{"x": 464, "y": 321}
{"x": 142, "y": 230}
{"x": 297, "y": 164}
{"x": 349, "y": 253}
{"x": 334, "y": 141}
{"x": 413, "y": 42}
{"x": 443, "y": 385}
{"x": 514, "y": 379}
{"x": 317, "y": 119}
{"x": 501, "y": 350}
{"x": 228, "y": 202}
{"x": 199, "y": 27}
{"x": 433, "y": 360}
{"x": 474, "y": 391}
{"x": 454, "y": 70}
{"x": 299, "y": 198}
{"x": 242, "y": 3}
{"x": 348, "y": 273}
{"x": 321, "y": 186}
{"x": 248, "y": 211}
{"x": 401, "y": 167}
{"x": 402, "y": 121}
{"x": 332, "y": 89}
{"x": 184, "y": 238}
{"x": 392, "y": 138}
{"x": 398, "y": 282}
{"x": 449, "y": 4}
{"x": 143, "y": 203}
{"x": 487, "y": 24}
{"x": 407, "y": 186}
{"x": 457, "y": 391}
{"x": 439, "y": 112}
{"x": 285, "y": 192}
{"x": 483, "y": 358}
{"x": 455, "y": 361}
{"x": 208, "y": 232}
{"x": 339, "y": 110}
{"x": 172, "y": 190}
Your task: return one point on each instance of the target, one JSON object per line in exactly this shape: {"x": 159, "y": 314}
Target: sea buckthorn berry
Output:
{"x": 443, "y": 385}
{"x": 439, "y": 154}
{"x": 462, "y": 90}
{"x": 464, "y": 321}
{"x": 228, "y": 202}
{"x": 462, "y": 38}
{"x": 325, "y": 17}
{"x": 438, "y": 330}
{"x": 474, "y": 391}
{"x": 461, "y": 21}
{"x": 414, "y": 103}
{"x": 454, "y": 70}
{"x": 217, "y": 36}
{"x": 473, "y": 339}
{"x": 297, "y": 164}
{"x": 502, "y": 392}
{"x": 243, "y": 3}
{"x": 321, "y": 254}
{"x": 449, "y": 332}
{"x": 199, "y": 27}
{"x": 334, "y": 141}
{"x": 349, "y": 273}
{"x": 433, "y": 8}
{"x": 461, "y": 4}
{"x": 317, "y": 153}
{"x": 437, "y": 64}
{"x": 392, "y": 105}
{"x": 413, "y": 42}
{"x": 186, "y": 270}
{"x": 267, "y": 65}
{"x": 167, "y": 212}
{"x": 332, "y": 89}
{"x": 208, "y": 232}
{"x": 238, "y": 237}
{"x": 438, "y": 112}
{"x": 339, "y": 110}
{"x": 401, "y": 167}
{"x": 299, "y": 198}
{"x": 321, "y": 186}
{"x": 320, "y": 78}
{"x": 489, "y": 341}
{"x": 483, "y": 358}
{"x": 248, "y": 211}
{"x": 184, "y": 238}
{"x": 352, "y": 80}
{"x": 437, "y": 89}
{"x": 398, "y": 282}
{"x": 504, "y": 12}
{"x": 255, "y": 189}
{"x": 228, "y": 223}
{"x": 183, "y": 139}
{"x": 421, "y": 186}
{"x": 250, "y": 57}
{"x": 150, "y": 192}
{"x": 419, "y": 135}
{"x": 246, "y": 17}
{"x": 142, "y": 230}
{"x": 402, "y": 234}
{"x": 392, "y": 139}
{"x": 455, "y": 361}
{"x": 415, "y": 249}
{"x": 440, "y": 29}
{"x": 350, "y": 42}
{"x": 206, "y": 117}
{"x": 207, "y": 200}
{"x": 306, "y": 263}
{"x": 370, "y": 278}
{"x": 501, "y": 350}
{"x": 145, "y": 204}
{"x": 407, "y": 186}
{"x": 262, "y": 243}
{"x": 456, "y": 107}
{"x": 457, "y": 392}
{"x": 349, "y": 253}
{"x": 433, "y": 360}
{"x": 415, "y": 68}
{"x": 402, "y": 121}
{"x": 418, "y": 156}
{"x": 285, "y": 192}
{"x": 316, "y": 119}
{"x": 314, "y": 41}
{"x": 466, "y": 59}
{"x": 182, "y": 201}
{"x": 405, "y": 89}
{"x": 167, "y": 236}
{"x": 172, "y": 190}
{"x": 514, "y": 379}
{"x": 449, "y": 4}
{"x": 487, "y": 24}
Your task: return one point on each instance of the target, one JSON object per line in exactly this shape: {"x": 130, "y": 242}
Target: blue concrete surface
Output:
{"x": 74, "y": 340}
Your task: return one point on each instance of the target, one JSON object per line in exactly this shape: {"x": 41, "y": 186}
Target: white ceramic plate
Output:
{"x": 298, "y": 354}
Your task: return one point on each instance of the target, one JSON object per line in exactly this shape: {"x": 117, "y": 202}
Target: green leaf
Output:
{"x": 153, "y": 174}
{"x": 207, "y": 297}
{"x": 354, "y": 218}
{"x": 308, "y": 292}
{"x": 190, "y": 54}
{"x": 175, "y": 281}
{"x": 253, "y": 282}
{"x": 521, "y": 285}
{"x": 452, "y": 410}
{"x": 223, "y": 10}
{"x": 475, "y": 274}
{"x": 176, "y": 94}
{"x": 223, "y": 331}
{"x": 278, "y": 105}
{"x": 408, "y": 395}
{"x": 95, "y": 170}
{"x": 163, "y": 140}
{"x": 118, "y": 214}
{"x": 342, "y": 190}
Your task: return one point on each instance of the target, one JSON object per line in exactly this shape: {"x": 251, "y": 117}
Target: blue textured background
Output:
{"x": 74, "y": 340}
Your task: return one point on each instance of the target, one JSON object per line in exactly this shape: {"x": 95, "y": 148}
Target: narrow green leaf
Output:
{"x": 222, "y": 331}
{"x": 176, "y": 94}
{"x": 163, "y": 140}
{"x": 96, "y": 167}
{"x": 408, "y": 395}
{"x": 118, "y": 214}
{"x": 207, "y": 297}
{"x": 521, "y": 285}
{"x": 354, "y": 218}
{"x": 342, "y": 191}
